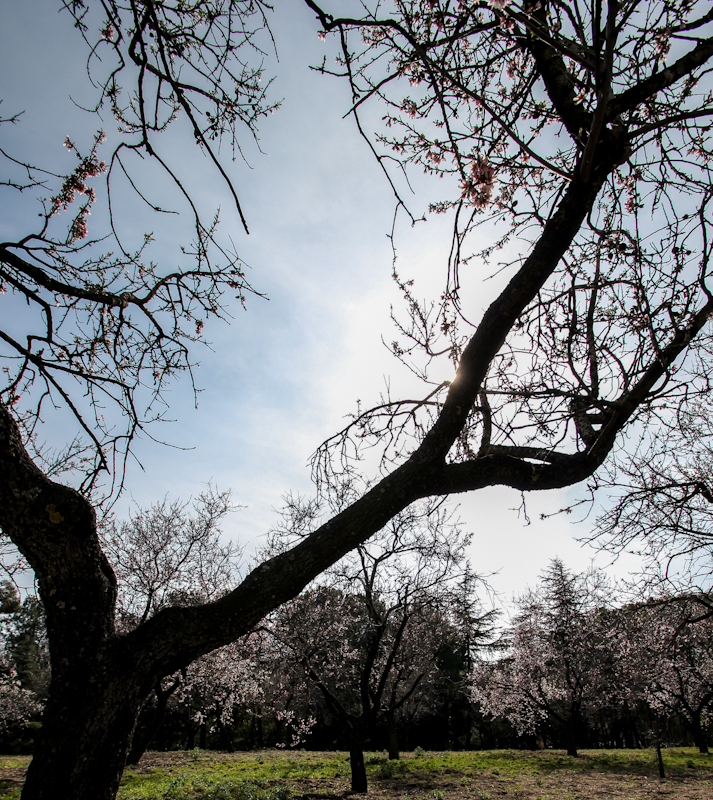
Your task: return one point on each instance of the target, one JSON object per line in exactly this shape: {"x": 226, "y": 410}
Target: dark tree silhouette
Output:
{"x": 576, "y": 133}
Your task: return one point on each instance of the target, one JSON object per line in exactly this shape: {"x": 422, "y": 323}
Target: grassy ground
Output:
{"x": 484, "y": 775}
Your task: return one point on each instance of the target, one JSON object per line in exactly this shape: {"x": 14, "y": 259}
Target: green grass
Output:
{"x": 265, "y": 776}
{"x": 242, "y": 776}
{"x": 271, "y": 775}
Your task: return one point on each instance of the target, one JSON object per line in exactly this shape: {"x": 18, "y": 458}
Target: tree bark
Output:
{"x": 356, "y": 759}
{"x": 86, "y": 731}
{"x": 572, "y": 735}
{"x": 393, "y": 737}
{"x": 699, "y": 736}
{"x": 659, "y": 758}
{"x": 144, "y": 736}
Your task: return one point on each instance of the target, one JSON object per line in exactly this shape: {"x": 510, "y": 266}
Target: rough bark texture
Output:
{"x": 393, "y": 737}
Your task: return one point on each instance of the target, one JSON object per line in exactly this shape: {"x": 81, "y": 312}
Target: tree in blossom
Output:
{"x": 555, "y": 669}
{"x": 667, "y": 660}
{"x": 219, "y": 684}
{"x": 24, "y": 661}
{"x": 169, "y": 554}
{"x": 573, "y": 135}
{"x": 367, "y": 642}
{"x": 17, "y": 705}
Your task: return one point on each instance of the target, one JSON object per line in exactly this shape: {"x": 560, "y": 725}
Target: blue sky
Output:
{"x": 281, "y": 377}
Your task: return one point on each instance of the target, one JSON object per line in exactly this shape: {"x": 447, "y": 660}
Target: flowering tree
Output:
{"x": 573, "y": 134}
{"x": 662, "y": 506}
{"x": 367, "y": 642}
{"x": 666, "y": 659}
{"x": 24, "y": 672}
{"x": 166, "y": 555}
{"x": 556, "y": 666}
{"x": 17, "y": 705}
{"x": 214, "y": 687}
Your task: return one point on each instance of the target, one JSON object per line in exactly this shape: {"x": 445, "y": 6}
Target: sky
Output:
{"x": 282, "y": 376}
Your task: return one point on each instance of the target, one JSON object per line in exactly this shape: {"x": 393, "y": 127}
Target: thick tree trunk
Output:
{"x": 572, "y": 732}
{"x": 572, "y": 740}
{"x": 85, "y": 735}
{"x": 356, "y": 761}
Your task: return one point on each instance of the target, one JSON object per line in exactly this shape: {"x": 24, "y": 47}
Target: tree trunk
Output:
{"x": 699, "y": 736}
{"x": 572, "y": 739}
{"x": 572, "y": 733}
{"x": 393, "y": 737}
{"x": 659, "y": 758}
{"x": 226, "y": 740}
{"x": 356, "y": 760}
{"x": 82, "y": 745}
{"x": 143, "y": 736}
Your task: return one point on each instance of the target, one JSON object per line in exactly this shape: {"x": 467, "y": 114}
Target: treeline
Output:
{"x": 392, "y": 650}
{"x": 417, "y": 669}
{"x": 579, "y": 670}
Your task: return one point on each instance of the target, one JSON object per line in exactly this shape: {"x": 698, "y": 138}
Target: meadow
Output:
{"x": 480, "y": 775}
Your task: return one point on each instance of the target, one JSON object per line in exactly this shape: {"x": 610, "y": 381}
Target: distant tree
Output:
{"x": 24, "y": 640}
{"x": 17, "y": 705}
{"x": 24, "y": 664}
{"x": 574, "y": 134}
{"x": 555, "y": 667}
{"x": 667, "y": 660}
{"x": 219, "y": 684}
{"x": 168, "y": 555}
{"x": 368, "y": 640}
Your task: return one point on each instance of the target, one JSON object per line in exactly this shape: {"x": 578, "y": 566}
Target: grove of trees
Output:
{"x": 574, "y": 135}
{"x": 582, "y": 671}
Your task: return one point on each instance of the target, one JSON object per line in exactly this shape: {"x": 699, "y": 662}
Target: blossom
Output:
{"x": 478, "y": 187}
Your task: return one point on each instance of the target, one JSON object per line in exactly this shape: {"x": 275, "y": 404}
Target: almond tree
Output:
{"x": 23, "y": 660}
{"x": 166, "y": 556}
{"x": 17, "y": 705}
{"x": 169, "y": 555}
{"x": 367, "y": 641}
{"x": 219, "y": 684}
{"x": 575, "y": 134}
{"x": 556, "y": 666}
{"x": 667, "y": 659}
